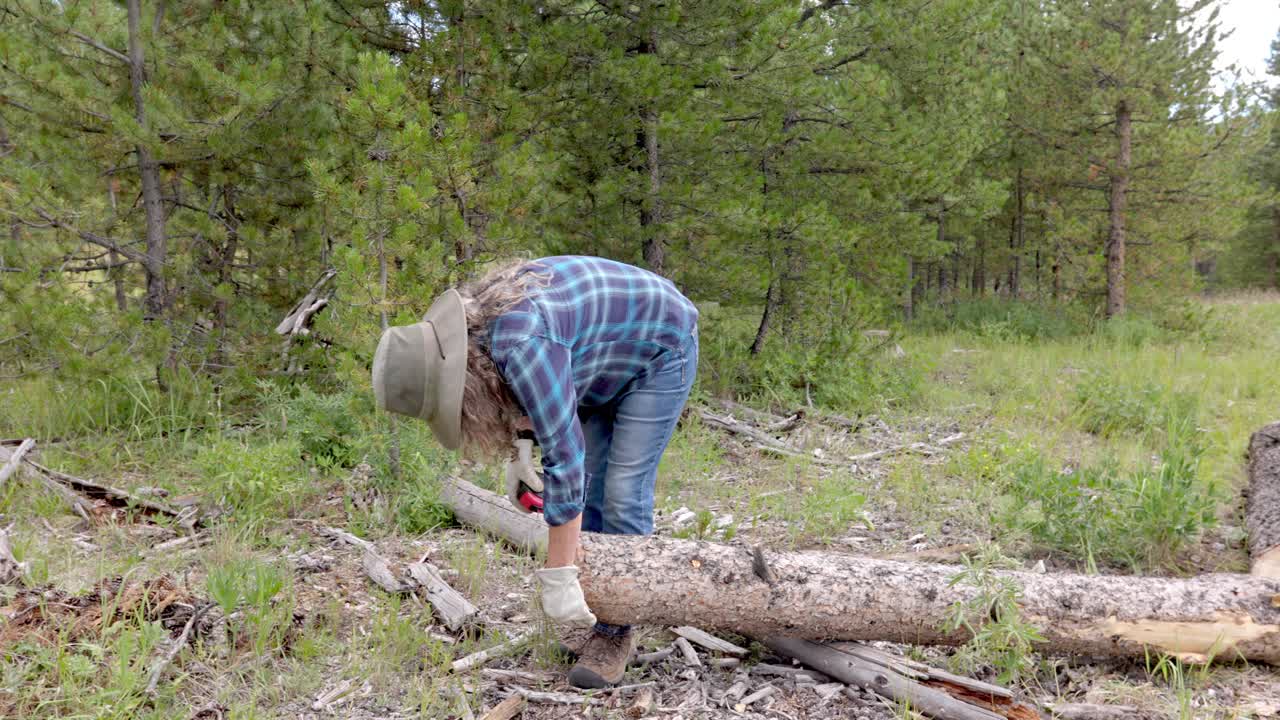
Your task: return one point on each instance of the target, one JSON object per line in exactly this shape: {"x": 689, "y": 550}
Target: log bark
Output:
{"x": 1262, "y": 506}
{"x": 493, "y": 513}
{"x": 817, "y": 595}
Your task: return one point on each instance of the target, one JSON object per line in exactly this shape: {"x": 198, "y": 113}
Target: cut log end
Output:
{"x": 1267, "y": 564}
{"x": 1262, "y": 506}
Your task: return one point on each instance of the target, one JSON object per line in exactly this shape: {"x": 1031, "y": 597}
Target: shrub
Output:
{"x": 834, "y": 365}
{"x": 1107, "y": 407}
{"x": 253, "y": 479}
{"x": 1102, "y": 513}
{"x": 327, "y": 427}
{"x": 1002, "y": 320}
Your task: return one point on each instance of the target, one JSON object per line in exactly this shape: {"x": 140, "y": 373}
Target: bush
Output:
{"x": 46, "y": 407}
{"x": 1107, "y": 407}
{"x": 835, "y": 366}
{"x": 254, "y": 480}
{"x": 1138, "y": 518}
{"x": 1002, "y": 320}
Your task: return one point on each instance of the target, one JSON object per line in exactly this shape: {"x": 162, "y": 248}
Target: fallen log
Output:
{"x": 830, "y": 596}
{"x": 1262, "y": 506}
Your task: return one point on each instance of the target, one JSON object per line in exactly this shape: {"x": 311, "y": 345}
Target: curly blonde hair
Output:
{"x": 490, "y": 413}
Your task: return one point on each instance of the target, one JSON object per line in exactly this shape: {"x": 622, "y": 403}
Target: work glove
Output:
{"x": 520, "y": 470}
{"x": 562, "y": 599}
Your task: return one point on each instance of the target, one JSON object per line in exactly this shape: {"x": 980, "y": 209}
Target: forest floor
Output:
{"x": 1013, "y": 442}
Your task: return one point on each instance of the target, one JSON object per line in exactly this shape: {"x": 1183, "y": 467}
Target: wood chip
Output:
{"x": 506, "y": 709}
{"x": 735, "y": 691}
{"x": 643, "y": 701}
{"x": 709, "y": 641}
{"x": 728, "y": 663}
{"x": 756, "y": 696}
{"x": 826, "y": 691}
{"x": 656, "y": 656}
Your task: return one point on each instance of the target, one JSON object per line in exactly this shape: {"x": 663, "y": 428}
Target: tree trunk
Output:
{"x": 1273, "y": 257}
{"x": 1262, "y": 506}
{"x": 149, "y": 174}
{"x": 820, "y": 595}
{"x": 1119, "y": 197}
{"x": 1057, "y": 270}
{"x": 116, "y": 273}
{"x": 772, "y": 299}
{"x": 942, "y": 239}
{"x": 1016, "y": 231}
{"x": 913, "y": 290}
{"x": 980, "y": 266}
{"x": 651, "y": 207}
{"x": 226, "y": 258}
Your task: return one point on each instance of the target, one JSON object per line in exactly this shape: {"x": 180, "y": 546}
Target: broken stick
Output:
{"x": 165, "y": 660}
{"x": 15, "y": 459}
{"x": 709, "y": 641}
{"x": 506, "y": 709}
{"x": 863, "y": 674}
{"x": 477, "y": 659}
{"x": 10, "y": 569}
{"x": 454, "y": 610}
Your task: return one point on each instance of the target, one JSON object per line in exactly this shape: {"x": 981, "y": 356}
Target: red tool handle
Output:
{"x": 531, "y": 500}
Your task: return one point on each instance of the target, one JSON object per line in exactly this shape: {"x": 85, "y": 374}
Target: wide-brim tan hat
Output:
{"x": 420, "y": 370}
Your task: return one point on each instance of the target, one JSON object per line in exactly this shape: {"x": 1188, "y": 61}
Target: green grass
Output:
{"x": 1109, "y": 446}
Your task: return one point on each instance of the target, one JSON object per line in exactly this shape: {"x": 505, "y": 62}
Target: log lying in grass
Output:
{"x": 667, "y": 582}
{"x": 1262, "y": 509}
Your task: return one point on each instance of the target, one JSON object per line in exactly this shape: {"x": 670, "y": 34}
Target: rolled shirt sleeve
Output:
{"x": 539, "y": 372}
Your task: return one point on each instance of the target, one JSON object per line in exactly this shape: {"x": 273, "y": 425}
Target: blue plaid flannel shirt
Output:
{"x": 596, "y": 326}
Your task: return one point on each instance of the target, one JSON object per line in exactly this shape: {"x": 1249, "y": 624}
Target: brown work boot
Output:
{"x": 573, "y": 640}
{"x": 603, "y": 661}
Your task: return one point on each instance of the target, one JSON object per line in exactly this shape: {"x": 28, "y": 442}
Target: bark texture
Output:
{"x": 1119, "y": 200}
{"x": 149, "y": 175}
{"x": 660, "y": 581}
{"x": 1262, "y": 507}
{"x": 813, "y": 595}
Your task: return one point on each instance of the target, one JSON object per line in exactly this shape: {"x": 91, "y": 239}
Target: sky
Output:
{"x": 1253, "y": 25}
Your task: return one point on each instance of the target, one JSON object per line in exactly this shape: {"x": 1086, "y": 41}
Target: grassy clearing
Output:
{"x": 1109, "y": 448}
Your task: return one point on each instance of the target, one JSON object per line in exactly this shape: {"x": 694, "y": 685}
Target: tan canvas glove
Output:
{"x": 520, "y": 469}
{"x": 562, "y": 598}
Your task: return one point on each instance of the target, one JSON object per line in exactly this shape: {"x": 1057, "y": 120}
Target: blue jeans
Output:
{"x": 624, "y": 442}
